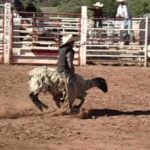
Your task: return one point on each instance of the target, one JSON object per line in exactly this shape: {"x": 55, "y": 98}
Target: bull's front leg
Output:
{"x": 57, "y": 100}
{"x": 34, "y": 97}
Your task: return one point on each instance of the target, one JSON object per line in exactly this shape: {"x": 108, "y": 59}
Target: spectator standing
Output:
{"x": 123, "y": 12}
{"x": 97, "y": 14}
{"x": 18, "y": 6}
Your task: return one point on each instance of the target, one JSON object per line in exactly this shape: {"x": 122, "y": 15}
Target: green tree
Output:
{"x": 110, "y": 8}
{"x": 72, "y": 5}
{"x": 140, "y": 7}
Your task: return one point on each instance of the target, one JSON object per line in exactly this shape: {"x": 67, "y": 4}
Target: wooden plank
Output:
{"x": 38, "y": 48}
{"x": 114, "y": 45}
{"x": 114, "y": 29}
{"x": 29, "y": 48}
{"x": 32, "y": 54}
{"x": 117, "y": 56}
{"x": 37, "y": 61}
{"x": 114, "y": 50}
{"x": 36, "y": 42}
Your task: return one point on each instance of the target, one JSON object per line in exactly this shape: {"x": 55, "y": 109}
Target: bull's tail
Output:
{"x": 40, "y": 105}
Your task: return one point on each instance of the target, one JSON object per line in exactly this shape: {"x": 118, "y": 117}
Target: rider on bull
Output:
{"x": 65, "y": 66}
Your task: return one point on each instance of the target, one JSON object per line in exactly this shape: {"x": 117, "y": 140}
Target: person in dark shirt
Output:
{"x": 66, "y": 55}
{"x": 65, "y": 68}
{"x": 18, "y": 7}
{"x": 97, "y": 14}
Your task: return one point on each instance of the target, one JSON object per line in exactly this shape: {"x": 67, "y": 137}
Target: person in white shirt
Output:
{"x": 124, "y": 12}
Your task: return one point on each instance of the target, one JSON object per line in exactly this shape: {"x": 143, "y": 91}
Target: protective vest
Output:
{"x": 65, "y": 64}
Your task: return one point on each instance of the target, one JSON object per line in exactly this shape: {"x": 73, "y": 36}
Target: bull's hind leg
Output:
{"x": 37, "y": 102}
{"x": 57, "y": 99}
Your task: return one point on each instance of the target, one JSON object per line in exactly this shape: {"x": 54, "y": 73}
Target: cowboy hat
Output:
{"x": 121, "y": 0}
{"x": 69, "y": 38}
{"x": 98, "y": 4}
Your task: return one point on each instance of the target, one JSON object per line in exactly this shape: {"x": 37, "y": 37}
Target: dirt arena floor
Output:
{"x": 117, "y": 120}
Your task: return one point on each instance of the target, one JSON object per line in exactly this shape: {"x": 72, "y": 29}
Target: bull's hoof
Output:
{"x": 84, "y": 114}
{"x": 75, "y": 110}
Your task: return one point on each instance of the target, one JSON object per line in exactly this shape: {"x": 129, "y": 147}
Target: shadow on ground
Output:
{"x": 95, "y": 113}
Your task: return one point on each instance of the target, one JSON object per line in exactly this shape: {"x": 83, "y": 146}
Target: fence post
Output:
{"x": 146, "y": 41}
{"x": 83, "y": 35}
{"x": 7, "y": 32}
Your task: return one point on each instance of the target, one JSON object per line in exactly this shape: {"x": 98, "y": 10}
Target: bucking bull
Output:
{"x": 44, "y": 79}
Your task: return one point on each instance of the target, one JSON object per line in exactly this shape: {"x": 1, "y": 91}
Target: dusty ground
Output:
{"x": 118, "y": 120}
